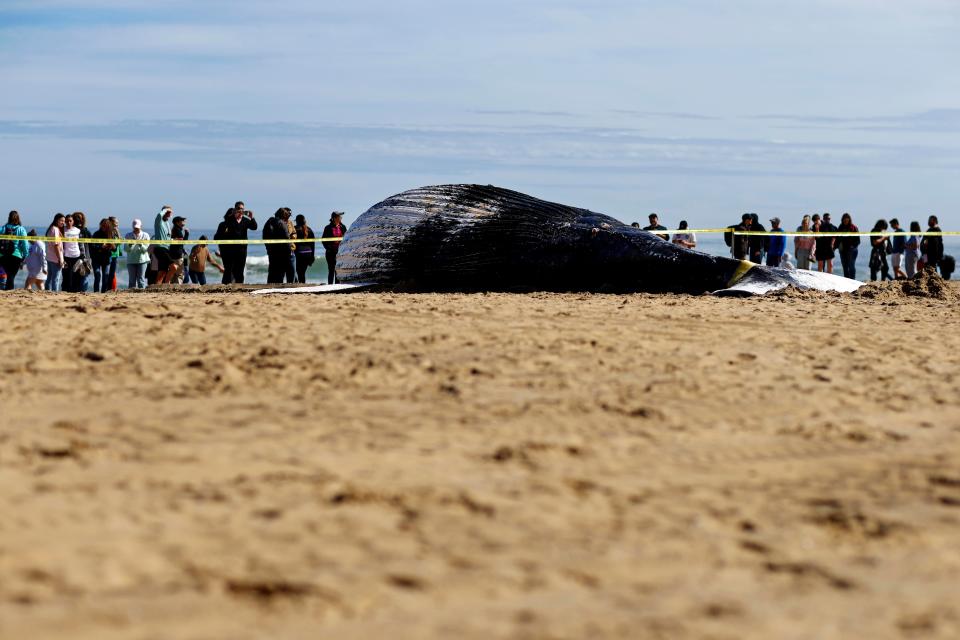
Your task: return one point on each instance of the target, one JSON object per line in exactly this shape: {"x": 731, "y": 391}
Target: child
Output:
{"x": 199, "y": 257}
{"x": 785, "y": 262}
{"x": 36, "y": 264}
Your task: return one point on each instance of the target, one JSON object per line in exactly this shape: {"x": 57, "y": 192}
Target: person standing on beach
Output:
{"x": 55, "y": 260}
{"x": 237, "y": 222}
{"x": 898, "y": 244}
{"x": 879, "y": 245}
{"x": 80, "y": 222}
{"x": 777, "y": 243}
{"x": 656, "y": 226}
{"x": 199, "y": 257}
{"x": 758, "y": 244}
{"x": 179, "y": 231}
{"x": 278, "y": 253}
{"x": 739, "y": 245}
{"x": 824, "y": 248}
{"x": 911, "y": 249}
{"x": 803, "y": 245}
{"x": 163, "y": 230}
{"x": 932, "y": 246}
{"x": 335, "y": 230}
{"x": 686, "y": 240}
{"x": 36, "y": 263}
{"x": 100, "y": 254}
{"x": 13, "y": 252}
{"x": 138, "y": 257}
{"x": 71, "y": 253}
{"x": 849, "y": 246}
{"x": 290, "y": 274}
{"x": 306, "y": 251}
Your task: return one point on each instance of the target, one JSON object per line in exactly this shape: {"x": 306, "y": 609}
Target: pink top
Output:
{"x": 55, "y": 248}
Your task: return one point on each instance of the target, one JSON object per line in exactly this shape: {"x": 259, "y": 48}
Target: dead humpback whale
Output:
{"x": 483, "y": 238}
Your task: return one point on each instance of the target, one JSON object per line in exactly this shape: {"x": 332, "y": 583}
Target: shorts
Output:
{"x": 897, "y": 261}
{"x": 162, "y": 254}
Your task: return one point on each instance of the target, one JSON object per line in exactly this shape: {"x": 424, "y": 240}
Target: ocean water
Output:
{"x": 257, "y": 263}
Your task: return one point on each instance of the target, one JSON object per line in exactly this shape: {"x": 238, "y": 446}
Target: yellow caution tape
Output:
{"x": 340, "y": 239}
{"x": 171, "y": 241}
{"x": 808, "y": 233}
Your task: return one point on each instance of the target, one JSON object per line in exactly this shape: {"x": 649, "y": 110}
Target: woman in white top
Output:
{"x": 688, "y": 240}
{"x": 71, "y": 255}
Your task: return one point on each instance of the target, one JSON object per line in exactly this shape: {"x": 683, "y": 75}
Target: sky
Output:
{"x": 695, "y": 109}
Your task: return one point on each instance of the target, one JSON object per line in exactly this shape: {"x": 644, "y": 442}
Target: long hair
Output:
{"x": 915, "y": 227}
{"x": 880, "y": 226}
{"x": 14, "y": 218}
{"x": 53, "y": 223}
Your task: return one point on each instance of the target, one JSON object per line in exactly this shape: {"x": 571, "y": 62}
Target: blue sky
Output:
{"x": 698, "y": 110}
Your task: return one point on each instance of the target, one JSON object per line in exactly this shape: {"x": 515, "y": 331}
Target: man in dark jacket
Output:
{"x": 739, "y": 245}
{"x": 278, "y": 253}
{"x": 758, "y": 244}
{"x": 236, "y": 223}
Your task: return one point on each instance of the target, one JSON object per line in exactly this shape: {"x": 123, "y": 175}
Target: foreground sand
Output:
{"x": 529, "y": 466}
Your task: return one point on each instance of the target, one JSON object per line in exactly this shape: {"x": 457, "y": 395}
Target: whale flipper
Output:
{"x": 759, "y": 280}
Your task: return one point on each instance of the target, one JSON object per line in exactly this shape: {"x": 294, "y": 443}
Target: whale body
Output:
{"x": 466, "y": 237}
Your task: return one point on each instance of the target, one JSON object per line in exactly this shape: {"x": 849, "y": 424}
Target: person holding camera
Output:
{"x": 237, "y": 222}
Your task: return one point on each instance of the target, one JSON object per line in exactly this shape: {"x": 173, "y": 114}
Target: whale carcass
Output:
{"x": 485, "y": 238}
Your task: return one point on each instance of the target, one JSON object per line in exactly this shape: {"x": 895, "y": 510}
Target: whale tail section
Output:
{"x": 758, "y": 280}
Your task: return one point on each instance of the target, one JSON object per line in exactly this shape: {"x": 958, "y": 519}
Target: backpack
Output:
{"x": 7, "y": 247}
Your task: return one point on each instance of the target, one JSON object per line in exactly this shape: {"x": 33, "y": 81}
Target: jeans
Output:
{"x": 290, "y": 270}
{"x": 111, "y": 274}
{"x": 54, "y": 276}
{"x": 137, "y": 275}
{"x": 11, "y": 265}
{"x": 198, "y": 277}
{"x": 101, "y": 280}
{"x": 848, "y": 258}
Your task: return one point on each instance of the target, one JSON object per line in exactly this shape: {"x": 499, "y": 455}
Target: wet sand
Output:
{"x": 482, "y": 466}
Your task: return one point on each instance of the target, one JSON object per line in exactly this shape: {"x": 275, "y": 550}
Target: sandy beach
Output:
{"x": 216, "y": 465}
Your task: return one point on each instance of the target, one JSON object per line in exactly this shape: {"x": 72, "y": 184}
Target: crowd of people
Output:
{"x": 908, "y": 253}
{"x": 64, "y": 263}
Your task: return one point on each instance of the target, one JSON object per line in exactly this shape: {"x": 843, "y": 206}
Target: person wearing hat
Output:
{"x": 137, "y": 257}
{"x": 176, "y": 272}
{"x": 777, "y": 244}
{"x": 335, "y": 230}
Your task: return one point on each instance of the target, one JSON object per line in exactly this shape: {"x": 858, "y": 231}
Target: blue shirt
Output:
{"x": 778, "y": 243}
